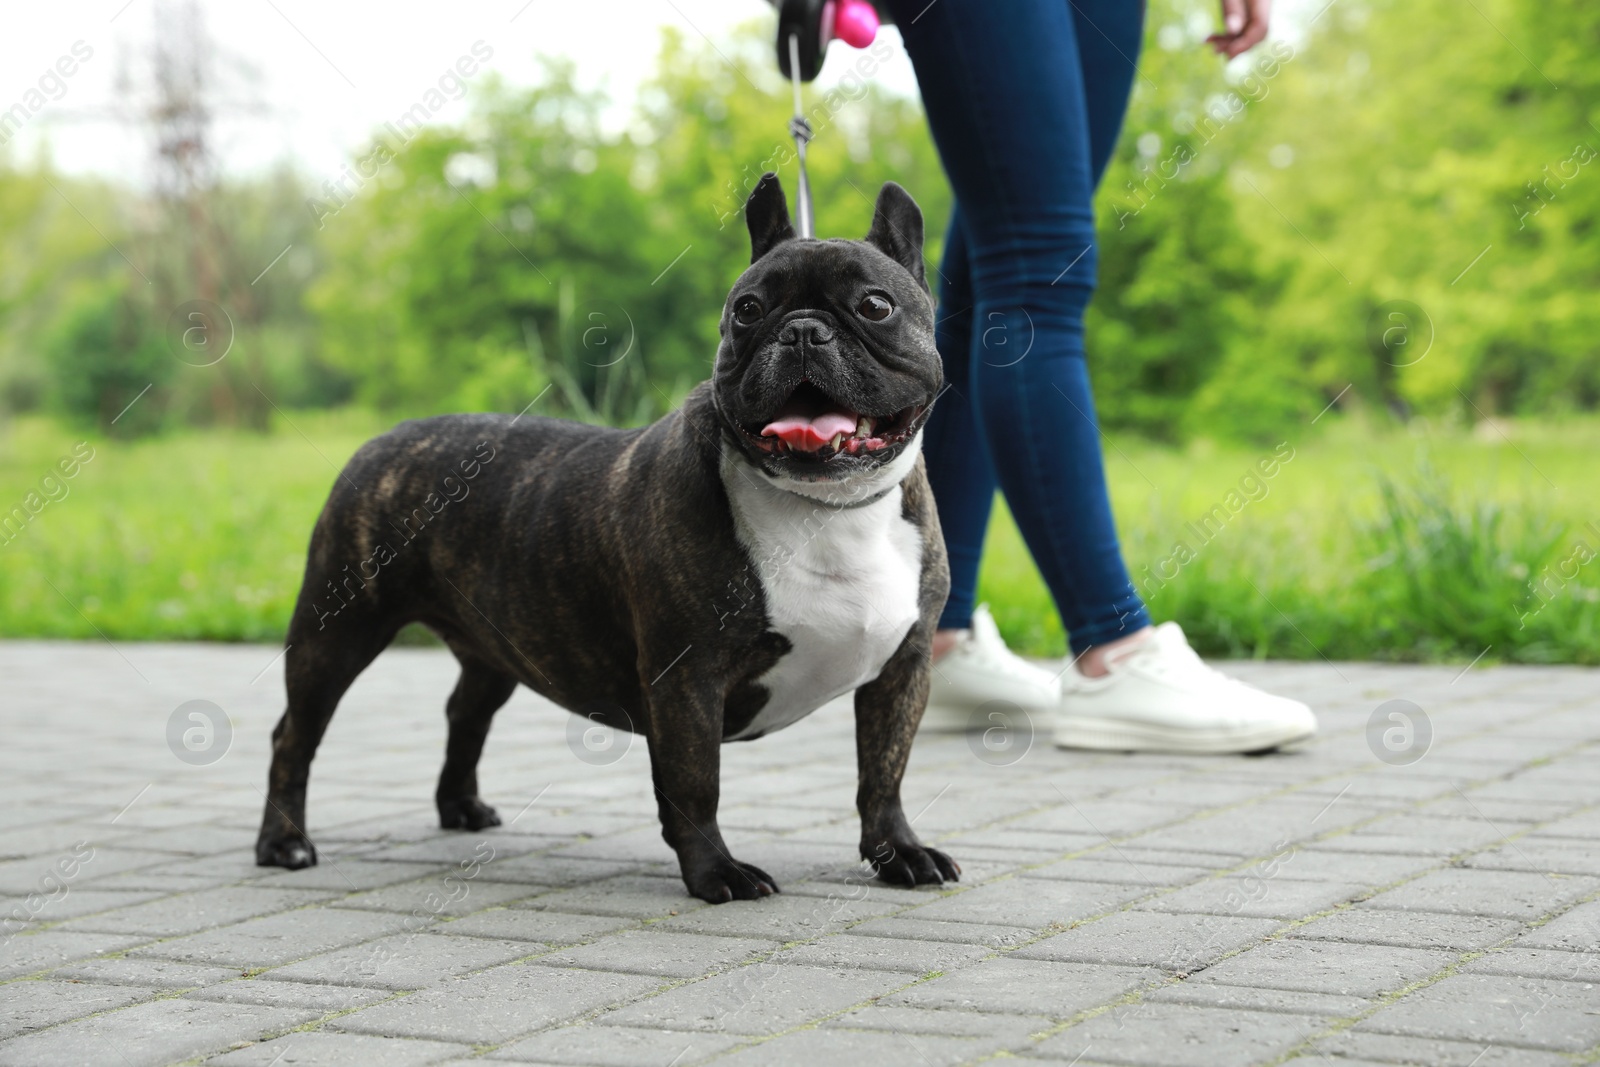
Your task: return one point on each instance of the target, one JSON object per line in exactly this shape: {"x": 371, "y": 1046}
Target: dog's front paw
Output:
{"x": 467, "y": 813}
{"x": 291, "y": 850}
{"x": 726, "y": 879}
{"x": 910, "y": 863}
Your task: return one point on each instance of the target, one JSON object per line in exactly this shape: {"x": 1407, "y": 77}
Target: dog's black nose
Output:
{"x": 812, "y": 331}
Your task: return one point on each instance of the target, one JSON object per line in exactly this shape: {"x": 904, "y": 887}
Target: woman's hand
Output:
{"x": 1244, "y": 25}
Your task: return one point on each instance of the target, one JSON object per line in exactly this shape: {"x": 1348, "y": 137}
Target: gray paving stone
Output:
{"x": 978, "y": 865}
{"x": 29, "y": 1006}
{"x": 758, "y": 999}
{"x": 807, "y": 1048}
{"x": 1256, "y": 897}
{"x": 1192, "y": 792}
{"x": 1179, "y": 1035}
{"x": 1172, "y": 942}
{"x": 1104, "y": 816}
{"x": 150, "y": 1035}
{"x": 964, "y": 807}
{"x": 344, "y": 875}
{"x": 1493, "y": 1009}
{"x": 558, "y": 871}
{"x": 1583, "y": 825}
{"x": 1576, "y": 931}
{"x": 22, "y": 876}
{"x": 639, "y": 846}
{"x": 1251, "y": 998}
{"x": 481, "y": 849}
{"x": 1168, "y": 857}
{"x": 1409, "y": 834}
{"x": 277, "y": 939}
{"x": 1025, "y": 987}
{"x": 1036, "y": 845}
{"x": 630, "y": 896}
{"x": 1388, "y": 1048}
{"x": 437, "y": 898}
{"x": 324, "y": 998}
{"x": 962, "y": 933}
{"x": 190, "y": 839}
{"x": 497, "y": 1005}
{"x": 1499, "y": 894}
{"x": 779, "y": 918}
{"x": 28, "y": 952}
{"x": 1110, "y": 867}
{"x": 405, "y": 961}
{"x": 1031, "y": 902}
{"x": 585, "y": 864}
{"x": 780, "y": 818}
{"x": 858, "y": 884}
{"x": 517, "y": 924}
{"x": 882, "y": 954}
{"x": 188, "y": 913}
{"x": 1544, "y": 855}
{"x": 789, "y": 859}
{"x": 1260, "y": 828}
{"x": 1372, "y": 869}
{"x": 663, "y": 952}
{"x": 157, "y": 974}
{"x": 1549, "y": 782}
{"x": 1003, "y": 1031}
{"x": 76, "y": 904}
{"x": 616, "y": 1046}
{"x": 1538, "y": 963}
{"x": 317, "y": 1048}
{"x": 1407, "y": 929}
{"x": 1326, "y": 967}
{"x": 1523, "y": 815}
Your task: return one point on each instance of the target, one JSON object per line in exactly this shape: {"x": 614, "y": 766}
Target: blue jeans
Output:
{"x": 1025, "y": 100}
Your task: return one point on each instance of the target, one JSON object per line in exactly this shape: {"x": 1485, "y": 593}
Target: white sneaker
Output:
{"x": 1159, "y": 697}
{"x": 981, "y": 670}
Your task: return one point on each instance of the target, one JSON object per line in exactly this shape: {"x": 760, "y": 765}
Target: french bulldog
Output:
{"x": 715, "y": 576}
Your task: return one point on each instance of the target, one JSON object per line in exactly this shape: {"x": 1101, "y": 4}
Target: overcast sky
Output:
{"x": 329, "y": 70}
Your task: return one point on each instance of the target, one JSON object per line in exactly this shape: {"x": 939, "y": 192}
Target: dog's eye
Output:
{"x": 875, "y": 307}
{"x": 747, "y": 310}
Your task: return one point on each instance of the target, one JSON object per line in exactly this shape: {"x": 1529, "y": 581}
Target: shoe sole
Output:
{"x": 1122, "y": 736}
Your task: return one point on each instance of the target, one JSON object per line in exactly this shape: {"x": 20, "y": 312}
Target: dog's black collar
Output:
{"x": 873, "y": 499}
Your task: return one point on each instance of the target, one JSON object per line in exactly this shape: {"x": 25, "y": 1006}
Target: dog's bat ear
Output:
{"x": 897, "y": 230}
{"x": 767, "y": 215}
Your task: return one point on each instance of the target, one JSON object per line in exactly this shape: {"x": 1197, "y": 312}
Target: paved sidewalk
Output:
{"x": 1440, "y": 905}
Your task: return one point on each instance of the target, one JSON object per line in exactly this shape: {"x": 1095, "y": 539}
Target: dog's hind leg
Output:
{"x": 318, "y": 668}
{"x": 480, "y": 692}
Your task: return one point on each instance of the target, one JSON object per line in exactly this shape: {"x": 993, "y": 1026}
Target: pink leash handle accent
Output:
{"x": 855, "y": 22}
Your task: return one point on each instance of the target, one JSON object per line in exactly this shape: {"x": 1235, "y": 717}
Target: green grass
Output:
{"x": 192, "y": 535}
{"x": 1368, "y": 543}
{"x": 1415, "y": 545}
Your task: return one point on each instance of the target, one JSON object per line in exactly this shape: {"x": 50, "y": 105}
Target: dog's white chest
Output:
{"x": 841, "y": 584}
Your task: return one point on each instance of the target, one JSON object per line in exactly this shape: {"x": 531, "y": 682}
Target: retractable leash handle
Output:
{"x": 804, "y": 29}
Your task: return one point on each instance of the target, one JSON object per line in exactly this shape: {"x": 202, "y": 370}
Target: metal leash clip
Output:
{"x": 805, "y": 28}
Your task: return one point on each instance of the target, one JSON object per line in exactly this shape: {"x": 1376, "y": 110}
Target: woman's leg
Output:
{"x": 1023, "y": 138}
{"x": 1024, "y": 100}
{"x": 958, "y": 463}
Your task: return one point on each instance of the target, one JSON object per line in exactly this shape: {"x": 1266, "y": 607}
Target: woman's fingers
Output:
{"x": 1245, "y": 24}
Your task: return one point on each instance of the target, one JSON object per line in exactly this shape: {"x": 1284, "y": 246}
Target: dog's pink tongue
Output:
{"x": 809, "y": 434}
